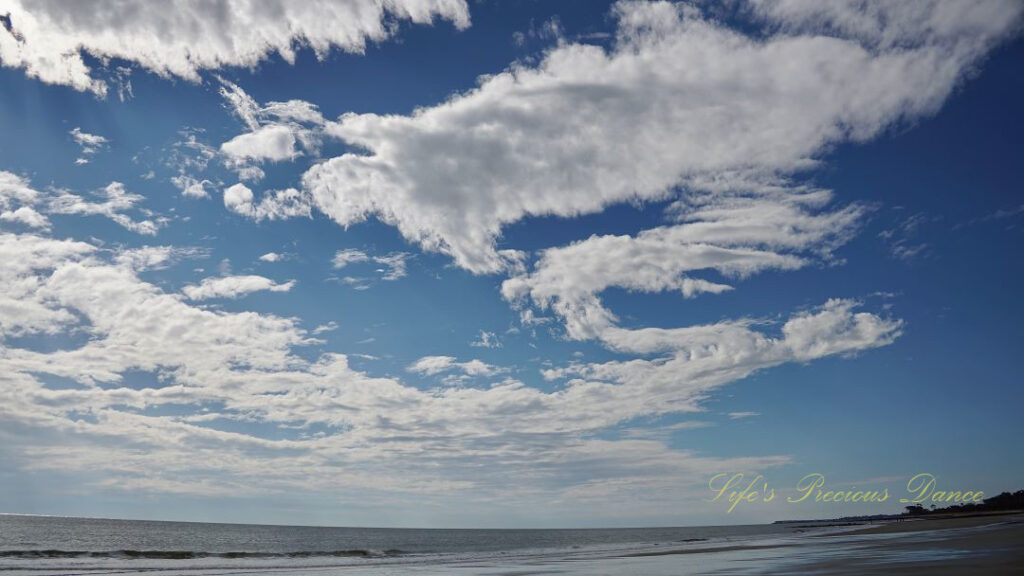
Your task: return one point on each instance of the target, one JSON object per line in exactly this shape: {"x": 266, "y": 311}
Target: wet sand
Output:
{"x": 989, "y": 545}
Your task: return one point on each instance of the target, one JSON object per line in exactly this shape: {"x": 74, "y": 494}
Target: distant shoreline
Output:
{"x": 938, "y": 522}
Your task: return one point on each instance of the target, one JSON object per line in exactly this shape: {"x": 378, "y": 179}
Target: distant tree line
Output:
{"x": 1004, "y": 501}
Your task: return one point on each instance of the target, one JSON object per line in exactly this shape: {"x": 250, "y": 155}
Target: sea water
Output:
{"x": 52, "y": 545}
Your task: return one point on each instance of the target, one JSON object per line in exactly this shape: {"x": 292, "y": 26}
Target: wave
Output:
{"x": 192, "y": 554}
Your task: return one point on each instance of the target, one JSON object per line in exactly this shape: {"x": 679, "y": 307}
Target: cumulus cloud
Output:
{"x": 275, "y": 204}
{"x": 272, "y": 143}
{"x": 26, "y": 215}
{"x": 271, "y": 257}
{"x": 678, "y": 104}
{"x": 277, "y": 132}
{"x": 433, "y": 365}
{"x": 233, "y": 287}
{"x": 48, "y": 39}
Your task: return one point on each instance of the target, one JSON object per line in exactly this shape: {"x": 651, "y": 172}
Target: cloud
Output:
{"x": 902, "y": 240}
{"x": 734, "y": 235}
{"x": 48, "y": 40}
{"x": 192, "y": 187}
{"x": 395, "y": 265}
{"x": 1001, "y": 214}
{"x": 693, "y": 361}
{"x": 680, "y": 109}
{"x": 274, "y": 143}
{"x": 275, "y": 204}
{"x": 156, "y": 257}
{"x": 148, "y": 349}
{"x": 432, "y": 365}
{"x": 27, "y": 216}
{"x": 20, "y": 203}
{"x": 486, "y": 340}
{"x": 233, "y": 287}
{"x": 277, "y": 132}
{"x": 15, "y": 190}
{"x": 679, "y": 105}
{"x": 89, "y": 143}
{"x": 741, "y": 415}
{"x": 117, "y": 200}
{"x": 324, "y": 328}
{"x": 271, "y": 257}
{"x": 345, "y": 257}
{"x": 189, "y": 157}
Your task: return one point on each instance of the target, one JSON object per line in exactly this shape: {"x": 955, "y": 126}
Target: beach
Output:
{"x": 991, "y": 544}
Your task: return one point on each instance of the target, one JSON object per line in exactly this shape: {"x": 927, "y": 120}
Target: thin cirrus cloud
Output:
{"x": 48, "y": 40}
{"x": 395, "y": 265}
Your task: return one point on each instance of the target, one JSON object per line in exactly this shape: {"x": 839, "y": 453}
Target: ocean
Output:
{"x": 41, "y": 545}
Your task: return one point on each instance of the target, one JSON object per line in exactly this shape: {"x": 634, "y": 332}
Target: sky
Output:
{"x": 507, "y": 263}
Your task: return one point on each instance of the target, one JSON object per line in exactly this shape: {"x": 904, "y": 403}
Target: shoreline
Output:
{"x": 923, "y": 524}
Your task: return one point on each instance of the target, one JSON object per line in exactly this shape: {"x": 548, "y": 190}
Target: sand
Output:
{"x": 985, "y": 545}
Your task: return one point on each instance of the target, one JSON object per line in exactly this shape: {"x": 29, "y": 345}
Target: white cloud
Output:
{"x": 191, "y": 187}
{"x": 27, "y": 216}
{"x": 679, "y": 105}
{"x": 89, "y": 143}
{"x": 324, "y": 328}
{"x": 695, "y": 360}
{"x": 117, "y": 200}
{"x": 902, "y": 239}
{"x": 233, "y": 287}
{"x": 734, "y": 235}
{"x": 243, "y": 366}
{"x": 19, "y": 202}
{"x": 395, "y": 265}
{"x": 486, "y": 340}
{"x": 726, "y": 118}
{"x": 156, "y": 257}
{"x": 274, "y": 143}
{"x": 345, "y": 257}
{"x": 275, "y": 205}
{"x": 48, "y": 40}
{"x": 433, "y": 365}
{"x": 271, "y": 257}
{"x": 277, "y": 132}
{"x": 16, "y": 190}
{"x": 742, "y": 415}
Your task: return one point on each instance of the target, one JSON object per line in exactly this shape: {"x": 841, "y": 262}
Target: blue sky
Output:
{"x": 505, "y": 263}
